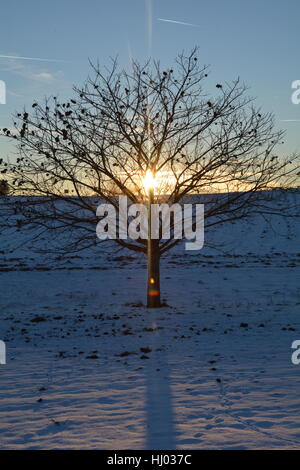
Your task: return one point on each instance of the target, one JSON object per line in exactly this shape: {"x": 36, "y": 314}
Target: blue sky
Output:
{"x": 259, "y": 41}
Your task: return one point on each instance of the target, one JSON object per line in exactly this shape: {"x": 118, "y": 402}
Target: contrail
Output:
{"x": 290, "y": 120}
{"x": 29, "y": 58}
{"x": 179, "y": 22}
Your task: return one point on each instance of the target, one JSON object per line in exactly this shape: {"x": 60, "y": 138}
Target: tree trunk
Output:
{"x": 153, "y": 282}
{"x": 153, "y": 260}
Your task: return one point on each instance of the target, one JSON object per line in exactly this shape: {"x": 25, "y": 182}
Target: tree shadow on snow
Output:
{"x": 160, "y": 427}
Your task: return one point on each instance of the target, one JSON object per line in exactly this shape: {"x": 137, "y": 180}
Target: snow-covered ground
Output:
{"x": 89, "y": 367}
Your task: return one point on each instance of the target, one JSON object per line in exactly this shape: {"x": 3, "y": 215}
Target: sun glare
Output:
{"x": 149, "y": 181}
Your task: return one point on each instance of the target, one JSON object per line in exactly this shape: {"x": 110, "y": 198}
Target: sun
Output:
{"x": 149, "y": 181}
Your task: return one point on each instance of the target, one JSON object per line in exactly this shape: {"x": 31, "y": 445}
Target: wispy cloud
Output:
{"x": 31, "y": 72}
{"x": 44, "y": 76}
{"x": 179, "y": 22}
{"x": 29, "y": 58}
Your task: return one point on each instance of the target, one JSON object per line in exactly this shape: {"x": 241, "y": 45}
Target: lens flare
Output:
{"x": 154, "y": 292}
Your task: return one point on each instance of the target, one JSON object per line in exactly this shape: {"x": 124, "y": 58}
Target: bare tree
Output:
{"x": 4, "y": 188}
{"x": 121, "y": 124}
